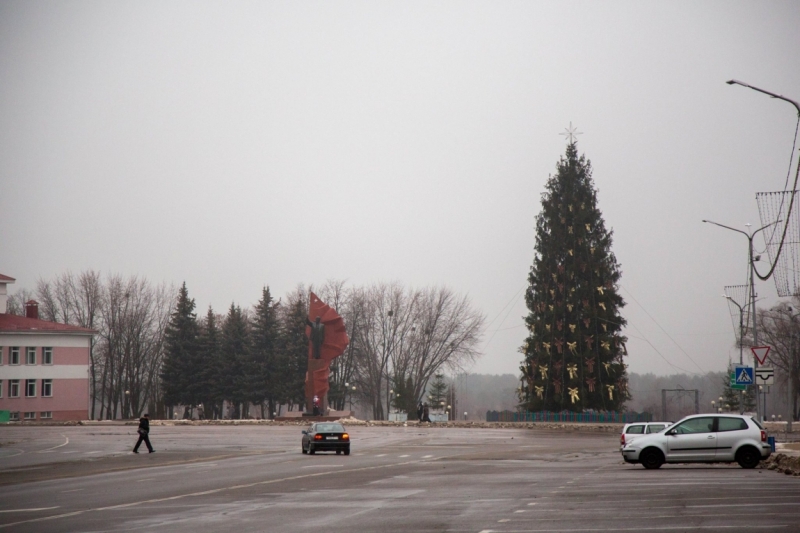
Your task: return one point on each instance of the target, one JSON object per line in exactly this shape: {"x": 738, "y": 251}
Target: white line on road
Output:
{"x": 762, "y": 505}
{"x": 381, "y": 455}
{"x": 427, "y": 456}
{"x": 322, "y": 466}
{"x": 71, "y": 490}
{"x": 29, "y": 510}
{"x": 404, "y": 456}
{"x": 66, "y": 441}
{"x": 742, "y": 527}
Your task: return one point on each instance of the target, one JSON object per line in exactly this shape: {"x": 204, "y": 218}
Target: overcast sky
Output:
{"x": 237, "y": 144}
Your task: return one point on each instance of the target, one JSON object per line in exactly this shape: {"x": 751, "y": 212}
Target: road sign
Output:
{"x": 765, "y": 375}
{"x": 744, "y": 375}
{"x": 734, "y": 386}
{"x": 760, "y": 353}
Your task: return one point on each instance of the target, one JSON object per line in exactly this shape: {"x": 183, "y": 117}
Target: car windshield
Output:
{"x": 330, "y": 428}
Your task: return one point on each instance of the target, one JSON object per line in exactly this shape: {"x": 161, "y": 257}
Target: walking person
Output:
{"x": 144, "y": 430}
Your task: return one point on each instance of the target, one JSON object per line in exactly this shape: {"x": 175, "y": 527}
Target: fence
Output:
{"x": 566, "y": 416}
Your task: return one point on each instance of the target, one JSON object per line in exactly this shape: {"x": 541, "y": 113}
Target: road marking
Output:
{"x": 29, "y": 510}
{"x": 763, "y": 504}
{"x": 404, "y": 456}
{"x": 532, "y": 503}
{"x": 16, "y": 454}
{"x": 145, "y": 479}
{"x": 198, "y": 465}
{"x": 427, "y": 456}
{"x": 72, "y": 490}
{"x": 66, "y": 441}
{"x": 381, "y": 455}
{"x": 742, "y": 527}
{"x": 520, "y": 511}
{"x": 504, "y": 520}
{"x": 322, "y": 466}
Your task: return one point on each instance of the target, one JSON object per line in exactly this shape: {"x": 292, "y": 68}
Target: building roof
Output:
{"x": 7, "y": 279}
{"x": 21, "y": 324}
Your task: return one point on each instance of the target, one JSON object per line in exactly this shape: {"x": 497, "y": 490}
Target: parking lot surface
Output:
{"x": 249, "y": 479}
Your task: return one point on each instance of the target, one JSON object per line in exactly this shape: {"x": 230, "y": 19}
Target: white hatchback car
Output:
{"x": 719, "y": 438}
{"x": 635, "y": 430}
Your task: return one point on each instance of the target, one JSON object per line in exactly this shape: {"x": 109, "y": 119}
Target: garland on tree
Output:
{"x": 574, "y": 349}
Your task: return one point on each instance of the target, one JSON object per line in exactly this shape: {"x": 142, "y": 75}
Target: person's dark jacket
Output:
{"x": 144, "y": 424}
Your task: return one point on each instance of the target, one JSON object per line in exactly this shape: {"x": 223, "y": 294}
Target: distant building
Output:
{"x": 44, "y": 366}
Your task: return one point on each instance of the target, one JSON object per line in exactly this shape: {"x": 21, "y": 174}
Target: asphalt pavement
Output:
{"x": 254, "y": 479}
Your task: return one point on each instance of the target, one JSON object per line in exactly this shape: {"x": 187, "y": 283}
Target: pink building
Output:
{"x": 44, "y": 366}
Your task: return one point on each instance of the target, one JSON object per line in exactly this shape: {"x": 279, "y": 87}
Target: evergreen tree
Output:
{"x": 179, "y": 369}
{"x": 234, "y": 352}
{"x": 293, "y": 357}
{"x": 264, "y": 364}
{"x": 730, "y": 398}
{"x": 573, "y": 352}
{"x": 209, "y": 367}
{"x": 438, "y": 392}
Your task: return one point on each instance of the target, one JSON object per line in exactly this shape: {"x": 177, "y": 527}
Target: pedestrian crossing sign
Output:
{"x": 744, "y": 375}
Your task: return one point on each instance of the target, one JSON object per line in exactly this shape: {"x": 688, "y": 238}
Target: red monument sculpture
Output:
{"x": 327, "y": 340}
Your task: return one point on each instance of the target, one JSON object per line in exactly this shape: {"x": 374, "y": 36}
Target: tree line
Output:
{"x": 153, "y": 353}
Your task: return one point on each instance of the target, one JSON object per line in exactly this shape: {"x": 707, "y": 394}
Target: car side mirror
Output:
{"x": 305, "y": 432}
{"x": 670, "y": 432}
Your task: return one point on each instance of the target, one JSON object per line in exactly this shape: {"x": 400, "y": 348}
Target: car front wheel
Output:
{"x": 651, "y": 459}
{"x": 748, "y": 457}
{"x": 347, "y": 451}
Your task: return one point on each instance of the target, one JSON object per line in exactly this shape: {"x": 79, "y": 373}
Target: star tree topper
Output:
{"x": 571, "y": 133}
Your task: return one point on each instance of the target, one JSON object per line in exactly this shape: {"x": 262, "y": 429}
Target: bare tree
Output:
{"x": 74, "y": 300}
{"x": 779, "y": 328}
{"x": 16, "y": 302}
{"x": 406, "y": 336}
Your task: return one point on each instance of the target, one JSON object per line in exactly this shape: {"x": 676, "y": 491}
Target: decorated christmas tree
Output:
{"x": 574, "y": 350}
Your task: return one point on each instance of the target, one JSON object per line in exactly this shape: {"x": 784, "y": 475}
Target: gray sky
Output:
{"x": 237, "y": 144}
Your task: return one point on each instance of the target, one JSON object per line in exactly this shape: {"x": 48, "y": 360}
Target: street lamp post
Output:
{"x": 752, "y": 284}
{"x": 741, "y": 326}
{"x": 741, "y": 345}
{"x": 791, "y": 201}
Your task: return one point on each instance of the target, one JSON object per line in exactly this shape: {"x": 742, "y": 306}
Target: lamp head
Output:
{"x": 730, "y": 82}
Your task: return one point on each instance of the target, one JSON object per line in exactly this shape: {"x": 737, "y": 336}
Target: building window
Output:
{"x": 13, "y": 355}
{"x": 30, "y": 355}
{"x": 14, "y": 415}
{"x": 13, "y": 388}
{"x": 30, "y": 415}
{"x": 46, "y": 415}
{"x": 1, "y": 389}
{"x": 47, "y": 388}
{"x": 47, "y": 356}
{"x": 1, "y": 355}
{"x": 30, "y": 388}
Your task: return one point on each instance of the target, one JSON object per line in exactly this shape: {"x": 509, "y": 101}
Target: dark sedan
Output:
{"x": 326, "y": 437}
